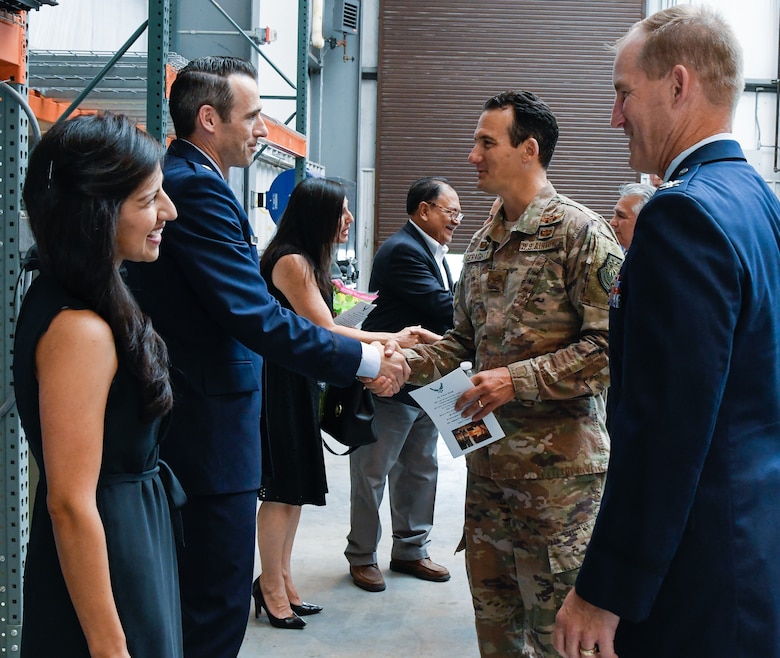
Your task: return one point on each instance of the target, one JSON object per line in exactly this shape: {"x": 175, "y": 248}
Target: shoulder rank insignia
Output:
{"x": 669, "y": 184}
{"x": 552, "y": 216}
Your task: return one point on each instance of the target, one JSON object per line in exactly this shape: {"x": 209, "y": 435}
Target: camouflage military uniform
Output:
{"x": 532, "y": 297}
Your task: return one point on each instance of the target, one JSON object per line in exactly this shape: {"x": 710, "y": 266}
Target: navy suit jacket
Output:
{"x": 686, "y": 548}
{"x": 411, "y": 289}
{"x": 208, "y": 301}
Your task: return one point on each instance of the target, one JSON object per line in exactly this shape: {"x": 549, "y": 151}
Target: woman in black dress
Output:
{"x": 92, "y": 388}
{"x": 296, "y": 265}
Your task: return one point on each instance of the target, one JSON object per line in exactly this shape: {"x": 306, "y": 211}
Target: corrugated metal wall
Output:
{"x": 440, "y": 60}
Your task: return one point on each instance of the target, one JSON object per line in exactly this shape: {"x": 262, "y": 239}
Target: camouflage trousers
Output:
{"x": 525, "y": 540}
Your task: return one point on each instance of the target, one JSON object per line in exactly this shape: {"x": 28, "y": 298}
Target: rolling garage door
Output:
{"x": 439, "y": 60}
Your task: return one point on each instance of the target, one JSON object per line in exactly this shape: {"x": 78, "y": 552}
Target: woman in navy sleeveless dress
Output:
{"x": 296, "y": 265}
{"x": 92, "y": 390}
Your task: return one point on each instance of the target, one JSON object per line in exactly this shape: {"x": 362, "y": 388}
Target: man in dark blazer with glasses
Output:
{"x": 414, "y": 283}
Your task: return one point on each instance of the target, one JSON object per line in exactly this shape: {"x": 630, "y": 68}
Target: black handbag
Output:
{"x": 347, "y": 414}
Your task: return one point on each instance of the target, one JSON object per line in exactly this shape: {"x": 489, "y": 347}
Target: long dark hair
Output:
{"x": 79, "y": 175}
{"x": 310, "y": 223}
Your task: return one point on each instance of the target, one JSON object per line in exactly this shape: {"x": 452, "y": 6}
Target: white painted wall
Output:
{"x": 281, "y": 15}
{"x": 755, "y": 23}
{"x": 93, "y": 25}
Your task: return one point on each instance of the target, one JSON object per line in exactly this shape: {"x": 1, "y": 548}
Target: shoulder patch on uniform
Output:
{"x": 608, "y": 271}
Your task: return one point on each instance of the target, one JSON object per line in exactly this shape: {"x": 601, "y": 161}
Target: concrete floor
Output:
{"x": 411, "y": 617}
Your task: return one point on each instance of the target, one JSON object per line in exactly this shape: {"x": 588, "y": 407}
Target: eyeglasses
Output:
{"x": 454, "y": 214}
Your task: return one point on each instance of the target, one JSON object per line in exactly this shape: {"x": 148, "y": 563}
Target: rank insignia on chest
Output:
{"x": 545, "y": 232}
{"x": 496, "y": 280}
{"x": 608, "y": 271}
{"x": 615, "y": 297}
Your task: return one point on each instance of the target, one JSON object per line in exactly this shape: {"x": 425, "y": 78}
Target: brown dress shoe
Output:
{"x": 368, "y": 577}
{"x": 424, "y": 569}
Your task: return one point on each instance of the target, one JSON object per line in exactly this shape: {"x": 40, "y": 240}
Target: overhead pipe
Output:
{"x": 317, "y": 39}
{"x": 19, "y": 98}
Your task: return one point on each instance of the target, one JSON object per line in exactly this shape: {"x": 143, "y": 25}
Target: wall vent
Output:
{"x": 346, "y": 16}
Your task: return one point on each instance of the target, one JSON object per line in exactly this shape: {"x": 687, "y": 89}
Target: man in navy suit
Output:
{"x": 683, "y": 560}
{"x": 207, "y": 299}
{"x": 415, "y": 288}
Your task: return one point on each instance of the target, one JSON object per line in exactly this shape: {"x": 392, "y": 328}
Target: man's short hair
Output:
{"x": 424, "y": 190}
{"x": 644, "y": 192}
{"x": 532, "y": 118}
{"x": 204, "y": 81}
{"x": 699, "y": 38}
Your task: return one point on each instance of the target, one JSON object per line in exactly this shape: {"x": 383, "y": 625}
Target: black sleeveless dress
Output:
{"x": 132, "y": 501}
{"x": 293, "y": 461}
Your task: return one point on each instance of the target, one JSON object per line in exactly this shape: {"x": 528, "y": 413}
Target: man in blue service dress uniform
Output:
{"x": 207, "y": 299}
{"x": 683, "y": 561}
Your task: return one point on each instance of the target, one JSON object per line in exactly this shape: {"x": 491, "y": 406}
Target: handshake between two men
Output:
{"x": 394, "y": 371}
{"x": 492, "y": 388}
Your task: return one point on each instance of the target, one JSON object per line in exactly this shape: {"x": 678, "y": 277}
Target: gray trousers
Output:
{"x": 405, "y": 457}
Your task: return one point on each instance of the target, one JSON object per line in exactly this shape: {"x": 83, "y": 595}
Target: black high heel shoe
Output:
{"x": 305, "y": 609}
{"x": 288, "y": 622}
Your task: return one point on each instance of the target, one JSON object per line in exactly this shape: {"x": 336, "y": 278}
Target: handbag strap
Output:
{"x": 333, "y": 452}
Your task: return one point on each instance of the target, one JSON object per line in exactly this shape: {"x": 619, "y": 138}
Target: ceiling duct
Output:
{"x": 24, "y": 5}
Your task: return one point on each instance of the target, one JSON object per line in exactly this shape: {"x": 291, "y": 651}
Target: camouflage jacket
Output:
{"x": 534, "y": 299}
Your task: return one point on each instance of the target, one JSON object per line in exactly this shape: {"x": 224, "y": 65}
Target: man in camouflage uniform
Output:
{"x": 531, "y": 313}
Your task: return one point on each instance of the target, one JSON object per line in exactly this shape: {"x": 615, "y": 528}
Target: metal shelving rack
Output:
{"x": 137, "y": 87}
{"x": 14, "y": 488}
{"x": 134, "y": 84}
